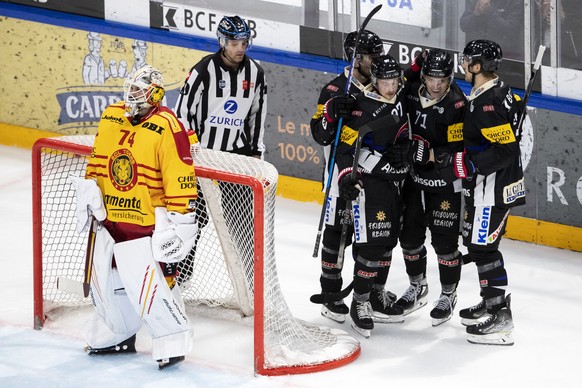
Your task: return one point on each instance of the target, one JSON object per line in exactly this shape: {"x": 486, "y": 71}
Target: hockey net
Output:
{"x": 232, "y": 268}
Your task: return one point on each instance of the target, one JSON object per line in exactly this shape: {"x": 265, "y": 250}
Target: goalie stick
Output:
{"x": 337, "y": 135}
{"x": 73, "y": 286}
{"x": 528, "y": 90}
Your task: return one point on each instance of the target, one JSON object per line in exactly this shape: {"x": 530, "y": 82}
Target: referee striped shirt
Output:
{"x": 226, "y": 108}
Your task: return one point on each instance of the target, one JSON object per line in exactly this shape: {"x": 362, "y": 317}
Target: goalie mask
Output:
{"x": 142, "y": 90}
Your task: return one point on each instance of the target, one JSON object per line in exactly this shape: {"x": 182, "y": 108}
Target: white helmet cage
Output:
{"x": 142, "y": 90}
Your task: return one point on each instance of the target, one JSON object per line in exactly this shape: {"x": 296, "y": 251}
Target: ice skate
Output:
{"x": 414, "y": 297}
{"x": 124, "y": 347}
{"x": 336, "y": 311}
{"x": 474, "y": 314}
{"x": 361, "y": 314}
{"x": 443, "y": 308}
{"x": 167, "y": 362}
{"x": 384, "y": 310}
{"x": 496, "y": 330}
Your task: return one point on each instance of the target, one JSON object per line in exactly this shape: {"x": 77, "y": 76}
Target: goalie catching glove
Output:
{"x": 174, "y": 235}
{"x": 89, "y": 202}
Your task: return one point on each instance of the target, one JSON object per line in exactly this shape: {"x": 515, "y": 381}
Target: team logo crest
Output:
{"x": 123, "y": 170}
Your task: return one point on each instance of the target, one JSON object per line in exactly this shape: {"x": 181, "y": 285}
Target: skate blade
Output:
{"x": 387, "y": 318}
{"x": 363, "y": 332}
{"x": 339, "y": 318}
{"x": 439, "y": 321}
{"x": 500, "y": 339}
{"x": 170, "y": 362}
{"x": 471, "y": 322}
{"x": 418, "y": 306}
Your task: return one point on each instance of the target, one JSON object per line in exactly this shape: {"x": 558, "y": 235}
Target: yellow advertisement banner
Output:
{"x": 60, "y": 79}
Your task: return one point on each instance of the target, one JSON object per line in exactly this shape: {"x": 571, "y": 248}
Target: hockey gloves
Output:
{"x": 174, "y": 235}
{"x": 419, "y": 152}
{"x": 338, "y": 107}
{"x": 397, "y": 154}
{"x": 349, "y": 187}
{"x": 408, "y": 152}
{"x": 89, "y": 202}
{"x": 462, "y": 166}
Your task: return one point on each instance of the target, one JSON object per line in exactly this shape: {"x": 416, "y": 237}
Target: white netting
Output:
{"x": 220, "y": 273}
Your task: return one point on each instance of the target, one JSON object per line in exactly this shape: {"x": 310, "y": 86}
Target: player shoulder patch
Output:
{"x": 488, "y": 108}
{"x": 332, "y": 88}
{"x": 459, "y": 104}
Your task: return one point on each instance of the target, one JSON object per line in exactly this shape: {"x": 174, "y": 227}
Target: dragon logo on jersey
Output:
{"x": 230, "y": 106}
{"x": 122, "y": 170}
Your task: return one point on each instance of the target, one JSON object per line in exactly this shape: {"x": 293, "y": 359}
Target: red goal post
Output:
{"x": 233, "y": 268}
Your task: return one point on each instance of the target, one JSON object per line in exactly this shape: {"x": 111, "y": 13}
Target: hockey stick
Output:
{"x": 330, "y": 297}
{"x": 82, "y": 288}
{"x": 529, "y": 87}
{"x": 337, "y": 135}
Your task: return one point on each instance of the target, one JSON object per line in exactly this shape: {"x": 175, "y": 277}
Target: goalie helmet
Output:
{"x": 142, "y": 90}
{"x": 385, "y": 67}
{"x": 438, "y": 64}
{"x": 233, "y": 28}
{"x": 485, "y": 52}
{"x": 368, "y": 44}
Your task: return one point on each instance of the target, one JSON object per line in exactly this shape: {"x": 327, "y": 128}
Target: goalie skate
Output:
{"x": 166, "y": 362}
{"x": 125, "y": 347}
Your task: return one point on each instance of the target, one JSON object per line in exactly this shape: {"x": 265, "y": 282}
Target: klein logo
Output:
{"x": 230, "y": 106}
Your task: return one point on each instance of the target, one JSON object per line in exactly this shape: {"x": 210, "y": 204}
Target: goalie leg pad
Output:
{"x": 115, "y": 319}
{"x": 153, "y": 300}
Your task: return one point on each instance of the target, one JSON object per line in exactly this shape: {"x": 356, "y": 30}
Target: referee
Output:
{"x": 224, "y": 98}
{"x": 224, "y": 101}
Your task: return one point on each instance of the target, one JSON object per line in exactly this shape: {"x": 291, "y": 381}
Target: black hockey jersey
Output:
{"x": 491, "y": 142}
{"x": 370, "y": 107}
{"x": 438, "y": 123}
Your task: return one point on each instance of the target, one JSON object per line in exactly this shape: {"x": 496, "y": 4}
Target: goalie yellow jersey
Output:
{"x": 142, "y": 166}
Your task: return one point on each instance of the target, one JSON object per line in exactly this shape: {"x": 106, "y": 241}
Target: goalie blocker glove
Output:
{"x": 349, "y": 187}
{"x": 339, "y": 107}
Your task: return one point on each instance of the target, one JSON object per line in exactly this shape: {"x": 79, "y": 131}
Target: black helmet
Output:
{"x": 385, "y": 67}
{"x": 233, "y": 28}
{"x": 485, "y": 52}
{"x": 369, "y": 44}
{"x": 438, "y": 63}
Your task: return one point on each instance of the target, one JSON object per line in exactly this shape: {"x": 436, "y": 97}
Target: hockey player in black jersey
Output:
{"x": 332, "y": 105}
{"x": 490, "y": 166}
{"x": 375, "y": 193}
{"x": 437, "y": 109}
